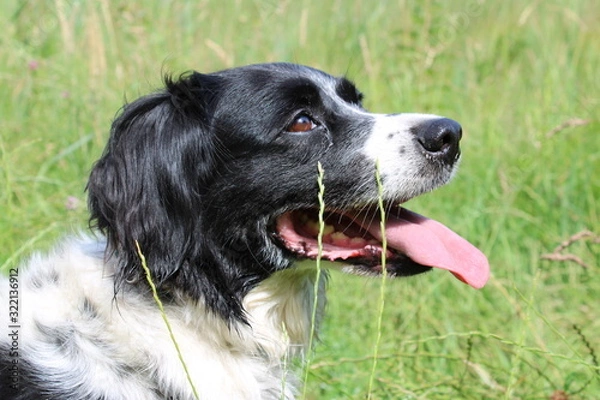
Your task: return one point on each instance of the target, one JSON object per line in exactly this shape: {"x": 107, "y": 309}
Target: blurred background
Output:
{"x": 521, "y": 77}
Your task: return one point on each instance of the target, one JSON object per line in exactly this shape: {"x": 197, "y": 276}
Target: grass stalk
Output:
{"x": 313, "y": 318}
{"x": 163, "y": 314}
{"x": 13, "y": 258}
{"x": 383, "y": 280}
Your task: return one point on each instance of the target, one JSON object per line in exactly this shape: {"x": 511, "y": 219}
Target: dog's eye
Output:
{"x": 302, "y": 123}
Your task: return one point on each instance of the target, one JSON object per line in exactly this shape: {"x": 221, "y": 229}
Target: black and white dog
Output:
{"x": 215, "y": 178}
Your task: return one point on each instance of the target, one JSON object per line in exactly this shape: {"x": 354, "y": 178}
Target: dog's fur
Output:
{"x": 198, "y": 175}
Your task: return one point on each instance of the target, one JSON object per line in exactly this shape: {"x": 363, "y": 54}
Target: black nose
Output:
{"x": 440, "y": 137}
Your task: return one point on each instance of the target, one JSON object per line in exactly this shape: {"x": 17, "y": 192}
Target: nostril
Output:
{"x": 440, "y": 137}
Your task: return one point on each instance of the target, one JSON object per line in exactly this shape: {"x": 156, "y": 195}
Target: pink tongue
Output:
{"x": 430, "y": 243}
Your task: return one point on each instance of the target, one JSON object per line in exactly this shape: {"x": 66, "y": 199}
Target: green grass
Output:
{"x": 165, "y": 318}
{"x": 510, "y": 72}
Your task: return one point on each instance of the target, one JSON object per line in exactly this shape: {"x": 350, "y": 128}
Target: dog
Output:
{"x": 219, "y": 184}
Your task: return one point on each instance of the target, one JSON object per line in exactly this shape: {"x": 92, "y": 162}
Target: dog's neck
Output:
{"x": 281, "y": 311}
{"x": 285, "y": 310}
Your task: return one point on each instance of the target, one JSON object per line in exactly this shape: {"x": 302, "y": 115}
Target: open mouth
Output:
{"x": 415, "y": 244}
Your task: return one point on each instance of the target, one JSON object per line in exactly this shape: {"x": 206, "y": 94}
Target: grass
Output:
{"x": 510, "y": 72}
{"x": 313, "y": 318}
{"x": 384, "y": 276}
{"x": 165, "y": 318}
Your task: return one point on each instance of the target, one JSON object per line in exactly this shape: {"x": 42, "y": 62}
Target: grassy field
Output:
{"x": 523, "y": 78}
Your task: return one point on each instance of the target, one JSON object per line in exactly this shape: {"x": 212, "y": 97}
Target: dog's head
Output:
{"x": 216, "y": 178}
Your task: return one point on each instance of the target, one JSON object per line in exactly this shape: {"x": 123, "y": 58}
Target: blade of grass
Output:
{"x": 72, "y": 148}
{"x": 321, "y": 174}
{"x": 285, "y": 363}
{"x": 164, "y": 317}
{"x": 383, "y": 279}
{"x": 12, "y": 260}
{"x": 517, "y": 357}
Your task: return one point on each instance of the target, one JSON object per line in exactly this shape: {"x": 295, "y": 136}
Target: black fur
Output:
{"x": 18, "y": 378}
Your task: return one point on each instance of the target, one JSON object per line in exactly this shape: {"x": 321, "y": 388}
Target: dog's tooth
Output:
{"x": 328, "y": 229}
{"x": 358, "y": 242}
{"x": 339, "y": 237}
{"x": 312, "y": 227}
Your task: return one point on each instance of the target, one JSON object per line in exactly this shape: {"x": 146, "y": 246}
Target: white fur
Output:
{"x": 123, "y": 350}
{"x": 401, "y": 160}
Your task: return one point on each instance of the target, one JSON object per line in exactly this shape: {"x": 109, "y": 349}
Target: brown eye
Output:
{"x": 302, "y": 123}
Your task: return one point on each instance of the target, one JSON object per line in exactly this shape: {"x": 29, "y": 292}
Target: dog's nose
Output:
{"x": 440, "y": 137}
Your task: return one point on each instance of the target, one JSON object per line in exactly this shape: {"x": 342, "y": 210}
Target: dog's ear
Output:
{"x": 147, "y": 186}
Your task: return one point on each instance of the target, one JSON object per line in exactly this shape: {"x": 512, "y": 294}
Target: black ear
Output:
{"x": 147, "y": 186}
